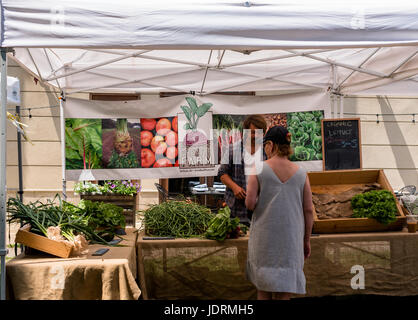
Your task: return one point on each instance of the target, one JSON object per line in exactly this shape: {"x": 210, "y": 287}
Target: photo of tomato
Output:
{"x": 163, "y": 162}
{"x": 171, "y": 153}
{"x": 174, "y": 124}
{"x": 163, "y": 126}
{"x": 147, "y": 158}
{"x": 159, "y": 142}
{"x": 146, "y": 138}
{"x": 171, "y": 138}
{"x": 148, "y": 124}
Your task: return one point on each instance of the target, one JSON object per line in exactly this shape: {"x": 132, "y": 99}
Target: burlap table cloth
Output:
{"x": 207, "y": 269}
{"x": 107, "y": 277}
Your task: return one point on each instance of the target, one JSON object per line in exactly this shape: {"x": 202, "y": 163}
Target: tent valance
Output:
{"x": 208, "y": 24}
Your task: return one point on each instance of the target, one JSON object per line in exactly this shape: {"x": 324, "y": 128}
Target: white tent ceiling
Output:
{"x": 210, "y": 71}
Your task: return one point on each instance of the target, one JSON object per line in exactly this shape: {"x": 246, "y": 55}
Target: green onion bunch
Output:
{"x": 53, "y": 213}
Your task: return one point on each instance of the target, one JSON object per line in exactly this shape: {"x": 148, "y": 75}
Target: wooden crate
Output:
{"x": 41, "y": 243}
{"x": 128, "y": 203}
{"x": 342, "y": 180}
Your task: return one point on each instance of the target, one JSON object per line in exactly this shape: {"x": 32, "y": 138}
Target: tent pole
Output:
{"x": 62, "y": 124}
{"x": 19, "y": 157}
{"x": 3, "y": 189}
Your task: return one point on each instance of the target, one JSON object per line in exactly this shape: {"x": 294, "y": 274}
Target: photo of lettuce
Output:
{"x": 83, "y": 144}
{"x": 305, "y": 128}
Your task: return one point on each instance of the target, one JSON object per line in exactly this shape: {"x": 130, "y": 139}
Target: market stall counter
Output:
{"x": 379, "y": 263}
{"x": 108, "y": 277}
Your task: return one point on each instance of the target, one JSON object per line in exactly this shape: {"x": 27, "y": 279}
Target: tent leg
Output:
{"x": 19, "y": 157}
{"x": 62, "y": 124}
{"x": 3, "y": 189}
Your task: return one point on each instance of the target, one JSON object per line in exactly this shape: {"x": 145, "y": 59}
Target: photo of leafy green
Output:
{"x": 228, "y": 121}
{"x": 83, "y": 144}
{"x": 376, "y": 204}
{"x": 305, "y": 128}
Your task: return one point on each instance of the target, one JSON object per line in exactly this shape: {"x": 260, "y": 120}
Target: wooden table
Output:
{"x": 195, "y": 270}
{"x": 108, "y": 277}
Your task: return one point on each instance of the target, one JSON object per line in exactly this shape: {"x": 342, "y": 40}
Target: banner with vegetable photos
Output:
{"x": 101, "y": 149}
{"x": 178, "y": 141}
{"x": 305, "y": 129}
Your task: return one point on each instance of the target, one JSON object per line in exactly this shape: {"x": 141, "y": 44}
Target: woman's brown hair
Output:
{"x": 257, "y": 121}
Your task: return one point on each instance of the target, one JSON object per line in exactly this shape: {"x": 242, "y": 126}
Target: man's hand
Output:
{"x": 239, "y": 192}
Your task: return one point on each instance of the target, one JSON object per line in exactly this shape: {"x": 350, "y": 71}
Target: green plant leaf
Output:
{"x": 201, "y": 111}
{"x": 187, "y": 126}
{"x": 192, "y": 103}
{"x": 187, "y": 112}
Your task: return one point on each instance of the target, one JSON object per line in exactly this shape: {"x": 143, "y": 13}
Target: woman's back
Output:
{"x": 275, "y": 247}
{"x": 283, "y": 168}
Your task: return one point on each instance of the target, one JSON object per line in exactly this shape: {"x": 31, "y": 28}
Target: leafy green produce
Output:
{"x": 41, "y": 216}
{"x": 83, "y": 143}
{"x": 376, "y": 204}
{"x": 221, "y": 225}
{"x": 176, "y": 218}
{"x": 103, "y": 215}
{"x": 305, "y": 128}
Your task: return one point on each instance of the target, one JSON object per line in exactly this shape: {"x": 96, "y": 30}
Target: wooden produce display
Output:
{"x": 57, "y": 248}
{"x": 334, "y": 182}
{"x": 128, "y": 203}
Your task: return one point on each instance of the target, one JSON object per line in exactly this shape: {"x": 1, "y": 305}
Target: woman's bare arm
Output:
{"x": 252, "y": 192}
{"x": 308, "y": 215}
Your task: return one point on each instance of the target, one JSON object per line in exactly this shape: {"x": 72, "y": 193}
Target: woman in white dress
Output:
{"x": 281, "y": 226}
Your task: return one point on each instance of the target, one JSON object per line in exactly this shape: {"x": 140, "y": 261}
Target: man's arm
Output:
{"x": 238, "y": 191}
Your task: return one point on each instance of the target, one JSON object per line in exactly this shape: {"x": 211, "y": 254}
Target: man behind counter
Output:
{"x": 234, "y": 175}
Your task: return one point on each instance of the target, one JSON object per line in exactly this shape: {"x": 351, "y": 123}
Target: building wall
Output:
{"x": 391, "y": 144}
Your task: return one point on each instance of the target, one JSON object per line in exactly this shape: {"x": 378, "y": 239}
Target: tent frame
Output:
{"x": 3, "y": 157}
{"x": 218, "y": 67}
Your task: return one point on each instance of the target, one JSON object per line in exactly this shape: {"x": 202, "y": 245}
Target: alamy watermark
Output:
{"x": 358, "y": 281}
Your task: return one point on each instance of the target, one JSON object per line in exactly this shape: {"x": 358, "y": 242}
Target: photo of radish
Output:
{"x": 159, "y": 142}
{"x": 195, "y": 147}
{"x": 193, "y": 113}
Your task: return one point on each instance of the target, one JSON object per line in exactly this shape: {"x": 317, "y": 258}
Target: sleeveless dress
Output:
{"x": 275, "y": 247}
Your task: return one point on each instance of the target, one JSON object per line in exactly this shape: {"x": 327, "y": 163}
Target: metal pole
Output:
{"x": 19, "y": 157}
{"x": 62, "y": 123}
{"x": 3, "y": 188}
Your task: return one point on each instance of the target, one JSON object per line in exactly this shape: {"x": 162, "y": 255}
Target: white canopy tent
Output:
{"x": 209, "y": 46}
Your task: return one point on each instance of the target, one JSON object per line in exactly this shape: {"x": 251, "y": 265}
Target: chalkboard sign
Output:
{"x": 341, "y": 144}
